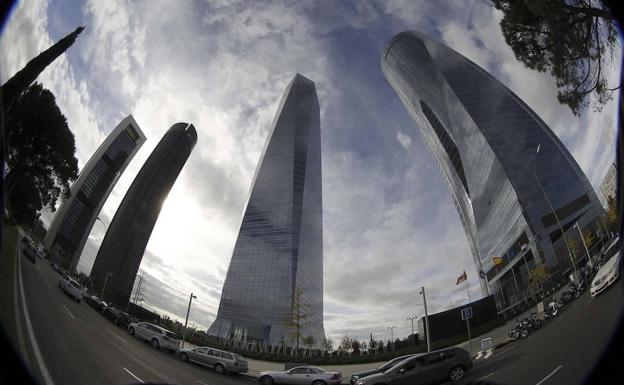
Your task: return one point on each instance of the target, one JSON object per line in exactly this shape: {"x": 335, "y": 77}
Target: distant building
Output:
{"x": 609, "y": 183}
{"x": 73, "y": 221}
{"x": 122, "y": 249}
{"x": 513, "y": 182}
{"x": 277, "y": 263}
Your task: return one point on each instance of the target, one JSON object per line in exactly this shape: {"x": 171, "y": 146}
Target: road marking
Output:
{"x": 68, "y": 312}
{"x": 486, "y": 376}
{"x": 590, "y": 301}
{"x": 44, "y": 370}
{"x": 201, "y": 382}
{"x": 121, "y": 339}
{"x": 132, "y": 374}
{"x": 548, "y": 376}
{"x": 18, "y": 322}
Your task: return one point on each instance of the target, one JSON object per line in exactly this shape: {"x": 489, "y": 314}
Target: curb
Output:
{"x": 248, "y": 375}
{"x": 500, "y": 345}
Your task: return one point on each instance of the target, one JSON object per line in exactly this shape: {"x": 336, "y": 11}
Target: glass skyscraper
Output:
{"x": 73, "y": 221}
{"x": 514, "y": 184}
{"x": 277, "y": 263}
{"x": 122, "y": 248}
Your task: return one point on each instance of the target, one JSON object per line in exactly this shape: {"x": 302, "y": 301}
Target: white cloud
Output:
{"x": 403, "y": 139}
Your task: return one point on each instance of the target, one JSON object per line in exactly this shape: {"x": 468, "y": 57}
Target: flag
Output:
{"x": 462, "y": 278}
{"x": 497, "y": 260}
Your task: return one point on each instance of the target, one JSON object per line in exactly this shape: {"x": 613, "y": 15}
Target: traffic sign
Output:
{"x": 466, "y": 313}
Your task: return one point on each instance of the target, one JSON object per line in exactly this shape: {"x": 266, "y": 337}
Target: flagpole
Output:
{"x": 468, "y": 290}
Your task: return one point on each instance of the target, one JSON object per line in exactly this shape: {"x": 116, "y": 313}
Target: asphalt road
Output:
{"x": 64, "y": 342}
{"x": 564, "y": 350}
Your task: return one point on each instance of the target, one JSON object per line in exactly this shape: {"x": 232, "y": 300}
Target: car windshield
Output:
{"x": 350, "y": 184}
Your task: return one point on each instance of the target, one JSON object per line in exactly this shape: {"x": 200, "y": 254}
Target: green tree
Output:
{"x": 537, "y": 277}
{"x": 308, "y": 341}
{"x": 40, "y": 159}
{"x": 16, "y": 85}
{"x": 574, "y": 40}
{"x": 612, "y": 214}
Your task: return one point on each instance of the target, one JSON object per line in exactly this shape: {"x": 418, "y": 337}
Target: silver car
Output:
{"x": 222, "y": 362}
{"x": 155, "y": 335}
{"x": 301, "y": 375}
{"x": 427, "y": 368}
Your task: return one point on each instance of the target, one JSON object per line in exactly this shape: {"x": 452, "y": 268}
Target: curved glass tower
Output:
{"x": 122, "y": 248}
{"x": 514, "y": 184}
{"x": 276, "y": 270}
{"x": 72, "y": 223}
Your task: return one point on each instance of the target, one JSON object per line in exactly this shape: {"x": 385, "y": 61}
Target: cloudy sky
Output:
{"x": 389, "y": 222}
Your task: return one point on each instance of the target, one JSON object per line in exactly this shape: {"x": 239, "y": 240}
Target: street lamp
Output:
{"x": 589, "y": 260}
{"x": 422, "y": 291}
{"x": 187, "y": 315}
{"x": 104, "y": 287}
{"x": 565, "y": 239}
{"x": 412, "y": 318}
{"x": 392, "y": 334}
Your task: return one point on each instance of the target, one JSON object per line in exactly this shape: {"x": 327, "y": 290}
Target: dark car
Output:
{"x": 382, "y": 368}
{"x": 118, "y": 317}
{"x": 427, "y": 368}
{"x": 30, "y": 252}
{"x": 95, "y": 302}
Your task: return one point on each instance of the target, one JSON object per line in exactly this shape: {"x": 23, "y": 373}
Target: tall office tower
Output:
{"x": 73, "y": 221}
{"x": 122, "y": 248}
{"x": 609, "y": 183}
{"x": 514, "y": 184}
{"x": 277, "y": 264}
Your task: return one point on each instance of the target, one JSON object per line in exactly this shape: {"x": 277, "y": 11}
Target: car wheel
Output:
{"x": 155, "y": 343}
{"x": 184, "y": 357}
{"x": 131, "y": 331}
{"x": 219, "y": 369}
{"x": 319, "y": 382}
{"x": 267, "y": 380}
{"x": 456, "y": 374}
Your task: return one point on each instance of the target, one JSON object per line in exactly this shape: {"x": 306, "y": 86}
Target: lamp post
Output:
{"x": 187, "y": 315}
{"x": 412, "y": 318}
{"x": 104, "y": 286}
{"x": 422, "y": 291}
{"x": 392, "y": 334}
{"x": 589, "y": 260}
{"x": 565, "y": 239}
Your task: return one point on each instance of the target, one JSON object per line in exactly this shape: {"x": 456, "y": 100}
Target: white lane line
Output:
{"x": 201, "y": 382}
{"x": 132, "y": 374}
{"x": 44, "y": 370}
{"x": 486, "y": 376}
{"x": 548, "y": 376}
{"x": 18, "y": 322}
{"x": 68, "y": 312}
{"x": 119, "y": 338}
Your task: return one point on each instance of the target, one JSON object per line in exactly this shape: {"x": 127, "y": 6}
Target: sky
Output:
{"x": 390, "y": 226}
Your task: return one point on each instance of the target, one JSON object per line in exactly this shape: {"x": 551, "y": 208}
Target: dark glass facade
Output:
{"x": 485, "y": 140}
{"x": 122, "y": 248}
{"x": 279, "y": 250}
{"x": 72, "y": 223}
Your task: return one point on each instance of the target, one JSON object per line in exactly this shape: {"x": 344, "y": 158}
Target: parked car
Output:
{"x": 382, "y": 368}
{"x": 118, "y": 317}
{"x": 427, "y": 368}
{"x": 221, "y": 361}
{"x": 93, "y": 301}
{"x": 29, "y": 251}
{"x": 155, "y": 335}
{"x": 71, "y": 287}
{"x": 606, "y": 275}
{"x": 302, "y": 375}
